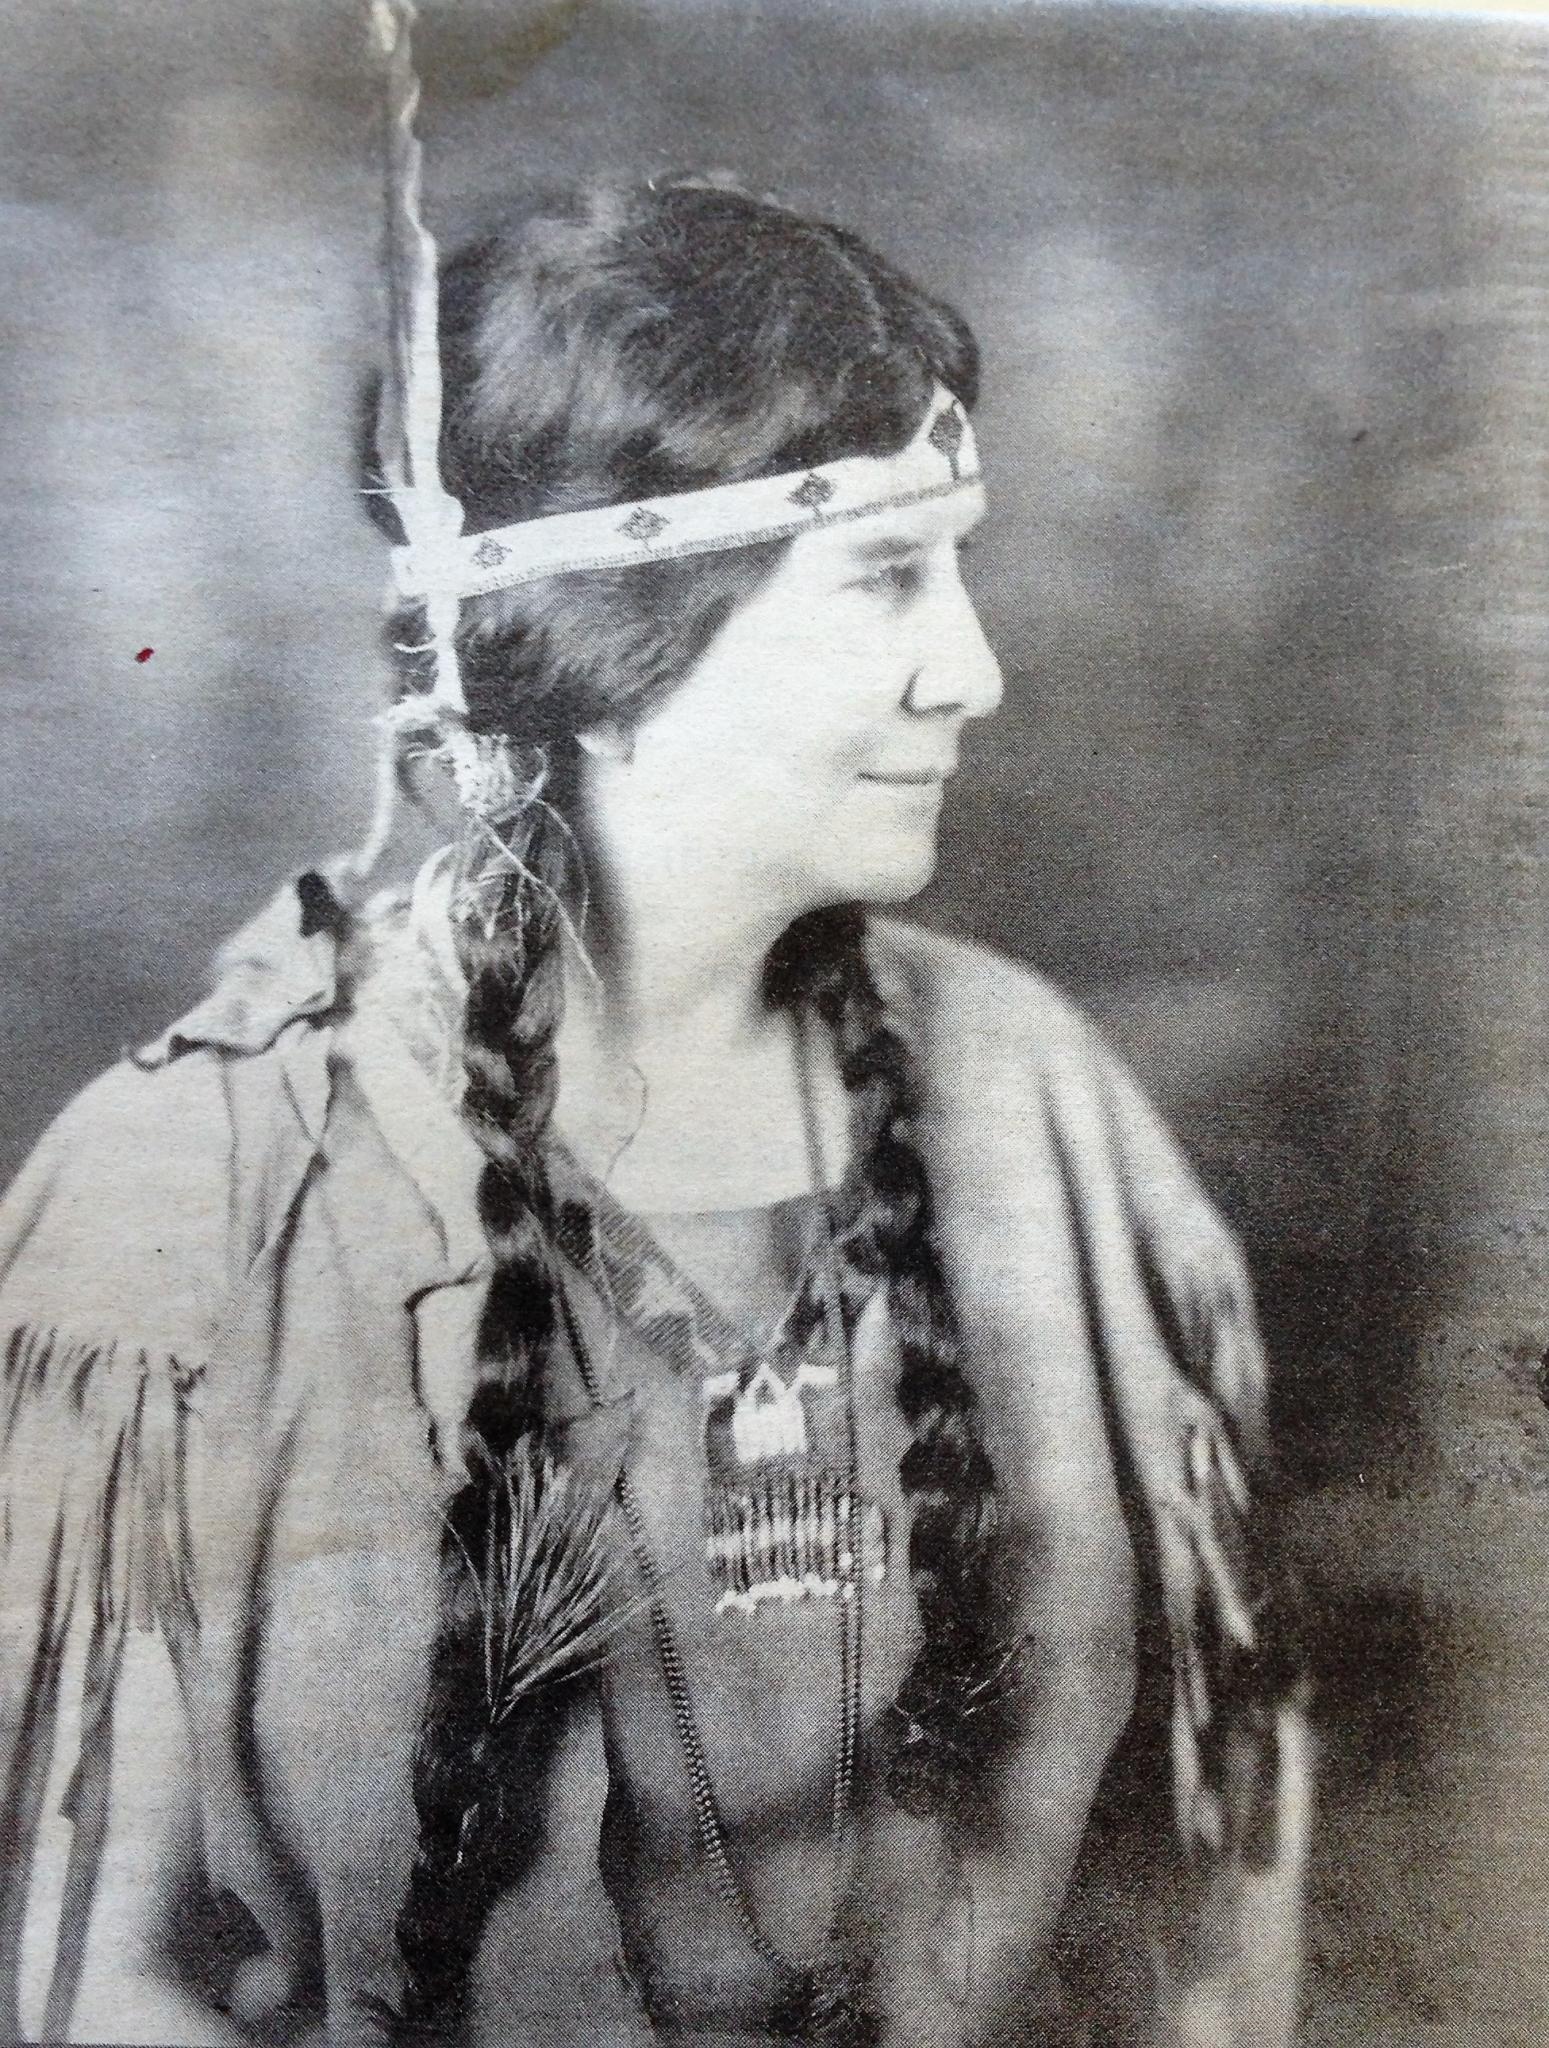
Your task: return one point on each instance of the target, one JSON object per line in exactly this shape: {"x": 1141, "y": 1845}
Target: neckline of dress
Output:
{"x": 832, "y": 1197}
{"x": 632, "y": 1236}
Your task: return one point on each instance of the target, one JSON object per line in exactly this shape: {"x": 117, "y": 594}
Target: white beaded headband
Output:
{"x": 940, "y": 460}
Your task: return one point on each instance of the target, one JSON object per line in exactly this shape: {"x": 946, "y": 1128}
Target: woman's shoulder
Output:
{"x": 117, "y": 1206}
{"x": 168, "y": 1102}
{"x": 126, "y": 1216}
{"x": 965, "y": 999}
{"x": 1020, "y": 1079}
{"x": 996, "y": 1031}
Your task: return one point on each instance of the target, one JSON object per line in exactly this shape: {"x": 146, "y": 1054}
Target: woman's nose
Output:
{"x": 957, "y": 669}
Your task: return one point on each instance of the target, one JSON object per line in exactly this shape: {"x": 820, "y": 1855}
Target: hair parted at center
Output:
{"x": 626, "y": 343}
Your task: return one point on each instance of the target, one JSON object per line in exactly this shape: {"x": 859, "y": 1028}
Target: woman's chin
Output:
{"x": 883, "y": 874}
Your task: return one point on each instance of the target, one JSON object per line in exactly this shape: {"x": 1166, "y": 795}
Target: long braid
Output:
{"x": 945, "y": 1726}
{"x": 474, "y": 1776}
{"x": 515, "y": 975}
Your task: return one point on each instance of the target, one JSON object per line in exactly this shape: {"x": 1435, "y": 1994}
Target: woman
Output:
{"x": 620, "y": 1447}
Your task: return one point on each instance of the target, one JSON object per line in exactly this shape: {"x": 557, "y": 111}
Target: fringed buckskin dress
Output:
{"x": 239, "y": 1285}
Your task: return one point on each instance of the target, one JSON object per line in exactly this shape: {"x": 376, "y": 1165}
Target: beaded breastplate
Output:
{"x": 782, "y": 1519}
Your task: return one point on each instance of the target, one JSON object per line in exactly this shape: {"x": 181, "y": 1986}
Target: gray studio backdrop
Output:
{"x": 1261, "y": 298}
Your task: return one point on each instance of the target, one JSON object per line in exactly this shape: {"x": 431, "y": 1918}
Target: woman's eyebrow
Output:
{"x": 890, "y": 547}
{"x": 899, "y": 547}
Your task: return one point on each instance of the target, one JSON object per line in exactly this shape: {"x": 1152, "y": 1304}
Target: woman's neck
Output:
{"x": 677, "y": 1080}
{"x": 645, "y": 985}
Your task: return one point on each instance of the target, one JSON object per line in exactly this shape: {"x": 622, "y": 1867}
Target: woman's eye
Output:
{"x": 894, "y": 579}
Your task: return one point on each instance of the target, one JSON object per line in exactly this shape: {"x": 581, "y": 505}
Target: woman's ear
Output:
{"x": 608, "y": 741}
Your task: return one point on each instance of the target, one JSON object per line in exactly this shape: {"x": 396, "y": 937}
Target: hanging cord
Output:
{"x": 409, "y": 440}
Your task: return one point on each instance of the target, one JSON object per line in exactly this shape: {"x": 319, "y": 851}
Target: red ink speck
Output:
{"x": 145, "y": 654}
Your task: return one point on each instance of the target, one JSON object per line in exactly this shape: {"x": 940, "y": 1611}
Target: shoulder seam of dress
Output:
{"x": 280, "y": 967}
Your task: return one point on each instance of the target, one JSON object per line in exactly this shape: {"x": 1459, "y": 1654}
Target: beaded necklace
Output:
{"x": 822, "y": 1979}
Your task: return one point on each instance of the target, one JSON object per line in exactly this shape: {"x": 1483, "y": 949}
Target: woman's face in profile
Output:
{"x": 806, "y": 752}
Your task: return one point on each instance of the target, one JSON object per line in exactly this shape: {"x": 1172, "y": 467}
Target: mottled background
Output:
{"x": 1262, "y": 300}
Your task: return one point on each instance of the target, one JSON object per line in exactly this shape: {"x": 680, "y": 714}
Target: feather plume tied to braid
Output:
{"x": 544, "y": 1583}
{"x": 530, "y": 1602}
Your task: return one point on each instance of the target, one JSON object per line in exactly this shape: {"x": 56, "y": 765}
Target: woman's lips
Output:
{"x": 906, "y": 778}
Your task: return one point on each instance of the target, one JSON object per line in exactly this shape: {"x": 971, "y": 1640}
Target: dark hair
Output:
{"x": 625, "y": 344}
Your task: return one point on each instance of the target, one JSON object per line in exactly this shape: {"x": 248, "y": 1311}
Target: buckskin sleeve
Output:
{"x": 1226, "y": 1923}
{"x": 113, "y": 1254}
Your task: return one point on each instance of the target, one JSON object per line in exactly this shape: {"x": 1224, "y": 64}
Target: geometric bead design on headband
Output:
{"x": 643, "y": 524}
{"x": 946, "y": 434}
{"x": 813, "y": 491}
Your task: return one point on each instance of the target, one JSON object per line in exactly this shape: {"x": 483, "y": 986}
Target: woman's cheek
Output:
{"x": 848, "y": 629}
